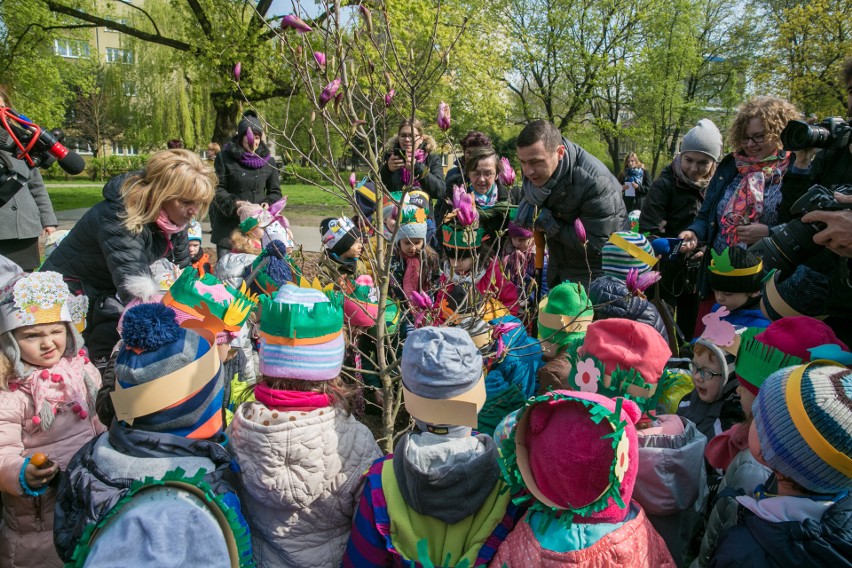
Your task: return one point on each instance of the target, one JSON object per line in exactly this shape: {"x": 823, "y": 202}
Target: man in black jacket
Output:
{"x": 565, "y": 183}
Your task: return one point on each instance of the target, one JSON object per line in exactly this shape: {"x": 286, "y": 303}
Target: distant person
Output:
{"x": 213, "y": 150}
{"x": 635, "y": 181}
{"x": 174, "y": 144}
{"x": 28, "y": 213}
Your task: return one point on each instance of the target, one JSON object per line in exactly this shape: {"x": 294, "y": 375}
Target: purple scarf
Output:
{"x": 253, "y": 161}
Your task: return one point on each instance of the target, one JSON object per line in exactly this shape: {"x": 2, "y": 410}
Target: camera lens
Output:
{"x": 798, "y": 135}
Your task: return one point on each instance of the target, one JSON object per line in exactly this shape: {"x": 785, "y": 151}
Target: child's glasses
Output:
{"x": 703, "y": 373}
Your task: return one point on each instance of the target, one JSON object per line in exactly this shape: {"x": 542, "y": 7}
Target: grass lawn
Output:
{"x": 305, "y": 199}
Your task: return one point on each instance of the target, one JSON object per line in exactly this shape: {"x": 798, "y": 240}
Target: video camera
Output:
{"x": 791, "y": 244}
{"x": 833, "y": 132}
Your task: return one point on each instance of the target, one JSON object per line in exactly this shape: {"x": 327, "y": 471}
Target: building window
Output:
{"x": 445, "y": 160}
{"x": 77, "y": 145}
{"x": 71, "y": 48}
{"x": 116, "y": 55}
{"x": 119, "y": 150}
{"x": 128, "y": 88}
{"x": 122, "y": 21}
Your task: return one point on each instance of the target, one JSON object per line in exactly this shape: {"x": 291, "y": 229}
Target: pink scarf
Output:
{"x": 285, "y": 400}
{"x": 68, "y": 386}
{"x": 746, "y": 203}
{"x": 165, "y": 224}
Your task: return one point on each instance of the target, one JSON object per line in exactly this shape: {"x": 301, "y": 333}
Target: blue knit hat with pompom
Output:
{"x": 153, "y": 346}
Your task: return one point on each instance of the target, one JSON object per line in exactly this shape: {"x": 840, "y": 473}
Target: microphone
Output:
{"x": 45, "y": 142}
{"x": 69, "y": 161}
{"x": 661, "y": 247}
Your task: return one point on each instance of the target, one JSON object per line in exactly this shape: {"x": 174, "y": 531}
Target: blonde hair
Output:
{"x": 341, "y": 392}
{"x": 170, "y": 174}
{"x": 7, "y": 371}
{"x": 633, "y": 155}
{"x": 241, "y": 242}
{"x": 775, "y": 113}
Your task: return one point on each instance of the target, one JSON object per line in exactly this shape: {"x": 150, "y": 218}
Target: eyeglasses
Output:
{"x": 408, "y": 136}
{"x": 757, "y": 138}
{"x": 483, "y": 175}
{"x": 703, "y": 373}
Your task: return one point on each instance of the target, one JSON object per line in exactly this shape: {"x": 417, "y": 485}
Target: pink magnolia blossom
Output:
{"x": 463, "y": 204}
{"x": 329, "y": 92}
{"x": 352, "y": 180}
{"x": 238, "y": 68}
{"x": 296, "y": 23}
{"x": 250, "y": 137}
{"x": 497, "y": 333}
{"x": 507, "y": 178}
{"x": 319, "y": 56}
{"x": 444, "y": 116}
{"x": 580, "y": 230}
{"x": 389, "y": 97}
{"x": 638, "y": 284}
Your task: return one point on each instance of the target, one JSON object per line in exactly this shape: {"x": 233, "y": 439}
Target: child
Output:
{"x": 414, "y": 264}
{"x": 804, "y": 293}
{"x": 519, "y": 260}
{"x": 168, "y": 405}
{"x": 800, "y": 431}
{"x": 714, "y": 405}
{"x": 439, "y": 498}
{"x": 626, "y": 251}
{"x": 47, "y": 398}
{"x": 573, "y": 457}
{"x": 342, "y": 247}
{"x": 246, "y": 242}
{"x": 199, "y": 259}
{"x": 786, "y": 342}
{"x": 300, "y": 451}
{"x": 612, "y": 298}
{"x": 735, "y": 276}
{"x": 563, "y": 317}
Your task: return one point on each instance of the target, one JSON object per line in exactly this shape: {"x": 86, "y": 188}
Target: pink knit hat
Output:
{"x": 575, "y": 452}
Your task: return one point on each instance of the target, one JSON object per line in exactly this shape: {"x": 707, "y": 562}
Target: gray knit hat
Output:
{"x": 705, "y": 138}
{"x": 442, "y": 376}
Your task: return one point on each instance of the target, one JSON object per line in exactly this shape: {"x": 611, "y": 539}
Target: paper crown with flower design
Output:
{"x": 206, "y": 296}
{"x": 571, "y": 456}
{"x": 39, "y": 298}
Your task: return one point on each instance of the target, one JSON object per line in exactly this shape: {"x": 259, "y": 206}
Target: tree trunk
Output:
{"x": 226, "y": 107}
{"x": 614, "y": 154}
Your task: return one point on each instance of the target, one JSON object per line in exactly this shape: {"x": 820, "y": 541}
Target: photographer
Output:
{"x": 831, "y": 167}
{"x": 26, "y": 215}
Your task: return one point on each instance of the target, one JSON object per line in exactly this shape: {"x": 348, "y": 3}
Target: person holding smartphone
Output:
{"x": 412, "y": 161}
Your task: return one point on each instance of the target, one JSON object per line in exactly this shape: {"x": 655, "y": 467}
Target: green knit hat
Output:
{"x": 563, "y": 317}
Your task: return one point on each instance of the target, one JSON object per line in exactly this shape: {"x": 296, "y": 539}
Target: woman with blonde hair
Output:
{"x": 144, "y": 217}
{"x": 635, "y": 182}
{"x": 742, "y": 201}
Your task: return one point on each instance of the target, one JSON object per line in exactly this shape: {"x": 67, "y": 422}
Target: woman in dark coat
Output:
{"x": 247, "y": 172}
{"x": 635, "y": 182}
{"x": 144, "y": 217}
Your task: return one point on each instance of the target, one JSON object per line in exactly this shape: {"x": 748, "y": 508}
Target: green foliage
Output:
{"x": 292, "y": 174}
{"x": 102, "y": 169}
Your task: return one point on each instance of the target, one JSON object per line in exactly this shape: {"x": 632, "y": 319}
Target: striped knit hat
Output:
{"x": 301, "y": 334}
{"x": 803, "y": 417}
{"x": 563, "y": 316}
{"x": 167, "y": 379}
{"x": 624, "y": 251}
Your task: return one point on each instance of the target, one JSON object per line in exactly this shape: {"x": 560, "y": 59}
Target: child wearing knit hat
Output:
{"x": 572, "y": 458}
{"x": 626, "y": 251}
{"x": 342, "y": 248}
{"x": 415, "y": 265}
{"x": 200, "y": 260}
{"x": 438, "y": 500}
{"x": 519, "y": 259}
{"x": 47, "y": 397}
{"x": 735, "y": 275}
{"x": 300, "y": 451}
{"x": 625, "y": 358}
{"x": 168, "y": 404}
{"x": 564, "y": 315}
{"x": 786, "y": 342}
{"x": 801, "y": 431}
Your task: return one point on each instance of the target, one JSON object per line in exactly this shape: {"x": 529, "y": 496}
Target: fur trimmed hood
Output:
{"x": 428, "y": 144}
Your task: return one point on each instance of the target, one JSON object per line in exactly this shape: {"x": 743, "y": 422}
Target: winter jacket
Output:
{"x": 592, "y": 194}
{"x": 101, "y": 473}
{"x": 436, "y": 499}
{"x": 713, "y": 418}
{"x": 634, "y": 544}
{"x": 612, "y": 299}
{"x": 300, "y": 481}
{"x": 101, "y": 254}
{"x": 671, "y": 482}
{"x": 819, "y": 537}
{"x": 747, "y": 315}
{"x": 26, "y": 536}
{"x": 669, "y": 207}
{"x": 331, "y": 270}
{"x": 429, "y": 174}
{"x": 240, "y": 183}
{"x": 511, "y": 380}
{"x": 231, "y": 268}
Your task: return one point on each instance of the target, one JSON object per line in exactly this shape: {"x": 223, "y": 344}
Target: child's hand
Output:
{"x": 37, "y": 478}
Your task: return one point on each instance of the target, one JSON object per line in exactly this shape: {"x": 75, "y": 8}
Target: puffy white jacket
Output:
{"x": 300, "y": 482}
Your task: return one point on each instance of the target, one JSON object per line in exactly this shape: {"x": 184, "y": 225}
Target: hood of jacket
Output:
{"x": 428, "y": 144}
{"x": 448, "y": 478}
{"x": 612, "y": 299}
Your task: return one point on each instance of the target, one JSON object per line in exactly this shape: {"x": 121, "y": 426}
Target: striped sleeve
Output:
{"x": 368, "y": 541}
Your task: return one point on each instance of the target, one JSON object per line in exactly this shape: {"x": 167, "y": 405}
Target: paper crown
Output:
{"x": 563, "y": 317}
{"x": 757, "y": 360}
{"x": 361, "y": 307}
{"x": 721, "y": 265}
{"x": 458, "y": 237}
{"x": 206, "y": 296}
{"x": 39, "y": 298}
{"x": 806, "y": 288}
{"x": 411, "y": 215}
{"x": 301, "y": 324}
{"x": 513, "y": 437}
{"x": 721, "y": 333}
{"x": 641, "y": 254}
{"x": 253, "y": 215}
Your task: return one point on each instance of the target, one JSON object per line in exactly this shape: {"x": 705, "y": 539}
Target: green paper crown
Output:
{"x": 461, "y": 237}
{"x": 300, "y": 321}
{"x": 249, "y": 224}
{"x": 185, "y": 291}
{"x": 757, "y": 360}
{"x": 391, "y": 316}
{"x": 515, "y": 481}
{"x": 566, "y": 299}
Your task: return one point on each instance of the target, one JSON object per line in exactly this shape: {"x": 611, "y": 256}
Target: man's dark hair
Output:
{"x": 540, "y": 130}
{"x": 475, "y": 139}
{"x": 847, "y": 71}
{"x": 174, "y": 144}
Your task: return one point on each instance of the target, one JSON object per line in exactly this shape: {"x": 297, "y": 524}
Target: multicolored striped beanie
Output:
{"x": 803, "y": 418}
{"x": 167, "y": 378}
{"x": 626, "y": 250}
{"x": 301, "y": 334}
